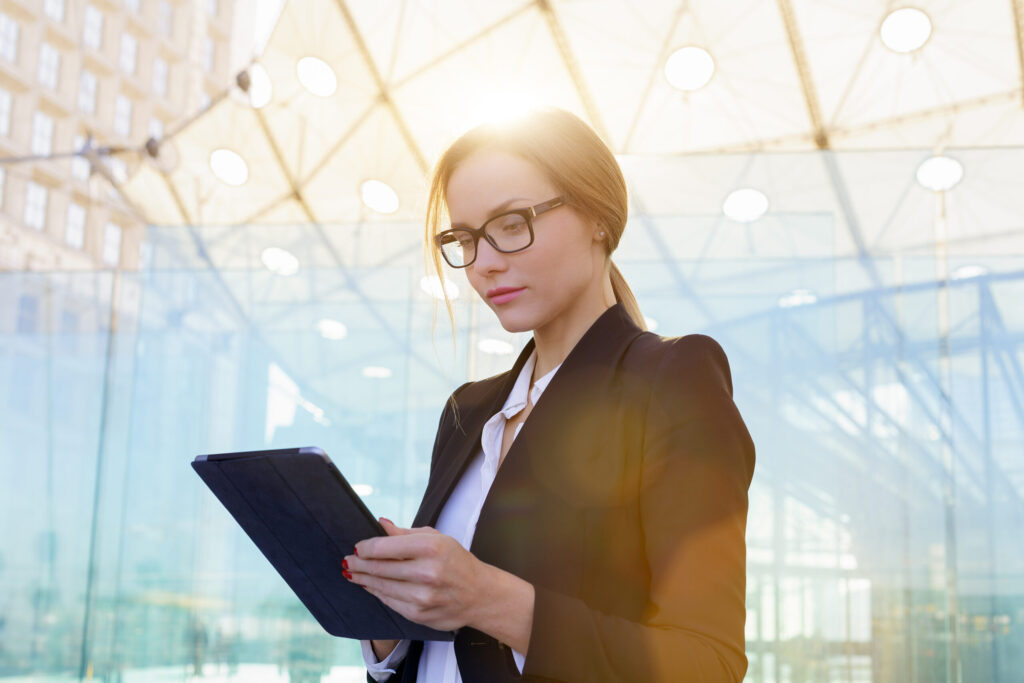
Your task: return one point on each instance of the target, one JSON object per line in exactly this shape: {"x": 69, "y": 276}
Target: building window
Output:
{"x": 28, "y": 313}
{"x": 92, "y": 31}
{"x": 35, "y": 205}
{"x": 49, "y": 65}
{"x": 8, "y": 38}
{"x": 160, "y": 77}
{"x": 123, "y": 116}
{"x": 129, "y": 50}
{"x": 87, "y": 91}
{"x": 54, "y": 9}
{"x": 164, "y": 18}
{"x": 208, "y": 49}
{"x": 79, "y": 164}
{"x": 5, "y": 112}
{"x": 112, "y": 244}
{"x": 42, "y": 133}
{"x": 118, "y": 169}
{"x": 74, "y": 233}
{"x": 145, "y": 255}
{"x": 156, "y": 128}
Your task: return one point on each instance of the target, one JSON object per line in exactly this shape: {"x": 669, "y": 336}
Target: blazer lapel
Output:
{"x": 550, "y": 458}
{"x": 466, "y": 441}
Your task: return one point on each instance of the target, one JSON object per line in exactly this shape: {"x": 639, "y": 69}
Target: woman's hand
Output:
{"x": 424, "y": 575}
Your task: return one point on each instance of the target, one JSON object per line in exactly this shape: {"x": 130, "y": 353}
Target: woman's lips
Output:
{"x": 506, "y": 295}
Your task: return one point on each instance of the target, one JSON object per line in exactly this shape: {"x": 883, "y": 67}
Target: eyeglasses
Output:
{"x": 507, "y": 232}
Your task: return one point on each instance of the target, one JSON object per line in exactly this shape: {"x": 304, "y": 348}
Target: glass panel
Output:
{"x": 884, "y": 398}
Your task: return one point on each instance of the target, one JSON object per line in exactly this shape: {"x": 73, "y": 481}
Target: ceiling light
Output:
{"x": 316, "y": 76}
{"x": 431, "y": 284}
{"x": 362, "y": 489}
{"x": 689, "y": 68}
{"x": 332, "y": 329}
{"x": 229, "y": 166}
{"x": 280, "y": 261}
{"x": 745, "y": 205}
{"x": 495, "y": 347}
{"x": 376, "y": 372}
{"x": 798, "y": 297}
{"x": 260, "y": 89}
{"x": 939, "y": 173}
{"x": 379, "y": 196}
{"x": 651, "y": 323}
{"x": 905, "y": 30}
{"x": 969, "y": 271}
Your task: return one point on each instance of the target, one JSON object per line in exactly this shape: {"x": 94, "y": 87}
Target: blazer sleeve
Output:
{"x": 697, "y": 463}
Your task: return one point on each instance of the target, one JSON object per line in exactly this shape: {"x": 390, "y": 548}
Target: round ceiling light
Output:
{"x": 940, "y": 173}
{"x": 378, "y": 196}
{"x": 745, "y": 205}
{"x": 280, "y": 261}
{"x": 905, "y": 30}
{"x": 798, "y": 297}
{"x": 689, "y": 68}
{"x": 431, "y": 284}
{"x": 332, "y": 329}
{"x": 316, "y": 76}
{"x": 969, "y": 271}
{"x": 495, "y": 347}
{"x": 376, "y": 372}
{"x": 229, "y": 166}
{"x": 260, "y": 89}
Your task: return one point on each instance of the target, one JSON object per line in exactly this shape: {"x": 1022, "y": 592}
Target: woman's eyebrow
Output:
{"x": 496, "y": 210}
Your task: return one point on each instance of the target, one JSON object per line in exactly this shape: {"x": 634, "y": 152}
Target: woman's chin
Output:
{"x": 515, "y": 321}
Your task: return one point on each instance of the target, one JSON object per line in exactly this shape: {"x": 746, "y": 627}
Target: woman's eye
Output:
{"x": 514, "y": 226}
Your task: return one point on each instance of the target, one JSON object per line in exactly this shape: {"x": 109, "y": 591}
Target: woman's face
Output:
{"x": 556, "y": 274}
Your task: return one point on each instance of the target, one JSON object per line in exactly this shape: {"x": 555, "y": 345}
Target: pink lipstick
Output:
{"x": 501, "y": 295}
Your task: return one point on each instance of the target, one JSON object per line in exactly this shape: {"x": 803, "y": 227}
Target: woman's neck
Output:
{"x": 557, "y": 338}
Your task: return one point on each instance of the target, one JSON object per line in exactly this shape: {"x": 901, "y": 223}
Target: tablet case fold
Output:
{"x": 304, "y": 517}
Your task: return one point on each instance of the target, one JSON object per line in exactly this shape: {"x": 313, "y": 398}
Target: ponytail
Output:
{"x": 624, "y": 295}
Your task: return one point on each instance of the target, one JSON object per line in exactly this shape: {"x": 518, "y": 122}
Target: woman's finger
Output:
{"x": 401, "y": 547}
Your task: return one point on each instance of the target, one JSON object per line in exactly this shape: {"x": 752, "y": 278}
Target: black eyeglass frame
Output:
{"x": 528, "y": 214}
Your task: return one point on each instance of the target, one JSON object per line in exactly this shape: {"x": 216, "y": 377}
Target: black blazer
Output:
{"x": 623, "y": 500}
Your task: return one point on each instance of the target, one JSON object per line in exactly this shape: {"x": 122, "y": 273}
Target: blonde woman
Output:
{"x": 585, "y": 512}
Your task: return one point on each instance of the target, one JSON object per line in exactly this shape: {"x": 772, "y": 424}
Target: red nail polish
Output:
{"x": 344, "y": 564}
{"x": 347, "y": 574}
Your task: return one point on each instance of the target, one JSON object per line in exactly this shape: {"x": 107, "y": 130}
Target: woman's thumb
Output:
{"x": 392, "y": 528}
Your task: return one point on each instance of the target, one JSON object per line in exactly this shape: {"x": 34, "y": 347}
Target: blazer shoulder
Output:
{"x": 698, "y": 356}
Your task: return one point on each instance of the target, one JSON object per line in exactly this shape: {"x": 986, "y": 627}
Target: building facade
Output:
{"x": 119, "y": 71}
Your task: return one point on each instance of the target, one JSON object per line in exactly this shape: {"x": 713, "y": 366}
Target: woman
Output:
{"x": 585, "y": 512}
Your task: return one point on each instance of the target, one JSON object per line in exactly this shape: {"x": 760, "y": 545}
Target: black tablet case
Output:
{"x": 302, "y": 514}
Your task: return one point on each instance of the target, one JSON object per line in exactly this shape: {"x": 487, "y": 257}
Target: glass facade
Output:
{"x": 884, "y": 393}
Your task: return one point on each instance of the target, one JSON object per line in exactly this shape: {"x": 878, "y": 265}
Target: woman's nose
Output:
{"x": 487, "y": 257}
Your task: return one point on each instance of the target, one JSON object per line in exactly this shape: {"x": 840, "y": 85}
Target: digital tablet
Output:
{"x": 304, "y": 517}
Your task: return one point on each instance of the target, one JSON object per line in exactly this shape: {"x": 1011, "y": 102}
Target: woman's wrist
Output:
{"x": 504, "y": 608}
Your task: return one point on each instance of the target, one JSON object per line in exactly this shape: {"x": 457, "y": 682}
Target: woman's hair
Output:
{"x": 571, "y": 156}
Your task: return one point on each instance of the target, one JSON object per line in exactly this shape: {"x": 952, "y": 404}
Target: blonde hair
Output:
{"x": 572, "y": 157}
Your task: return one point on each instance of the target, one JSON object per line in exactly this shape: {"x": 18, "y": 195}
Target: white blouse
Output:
{"x": 458, "y": 519}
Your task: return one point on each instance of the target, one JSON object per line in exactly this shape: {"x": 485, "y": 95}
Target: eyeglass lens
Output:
{"x": 509, "y": 232}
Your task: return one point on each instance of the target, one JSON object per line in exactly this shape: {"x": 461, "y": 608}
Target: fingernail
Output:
{"x": 344, "y": 564}
{"x": 385, "y": 519}
{"x": 347, "y": 574}
{"x": 356, "y": 551}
